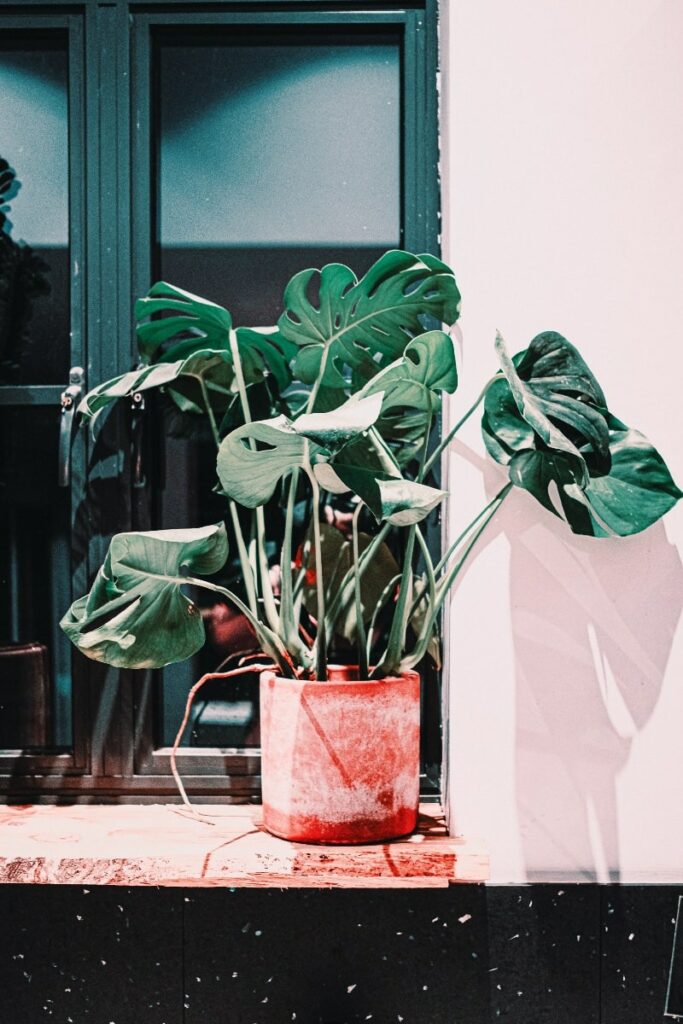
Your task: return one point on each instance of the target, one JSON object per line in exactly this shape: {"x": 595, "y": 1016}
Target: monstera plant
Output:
{"x": 333, "y": 410}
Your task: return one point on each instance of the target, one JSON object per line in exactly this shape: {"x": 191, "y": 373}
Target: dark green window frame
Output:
{"x": 114, "y": 755}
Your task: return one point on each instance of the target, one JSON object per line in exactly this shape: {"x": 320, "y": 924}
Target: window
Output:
{"x": 221, "y": 147}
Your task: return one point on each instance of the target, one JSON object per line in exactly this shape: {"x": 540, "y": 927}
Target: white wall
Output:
{"x": 563, "y": 174}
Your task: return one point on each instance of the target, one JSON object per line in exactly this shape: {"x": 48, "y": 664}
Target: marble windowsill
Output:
{"x": 167, "y": 845}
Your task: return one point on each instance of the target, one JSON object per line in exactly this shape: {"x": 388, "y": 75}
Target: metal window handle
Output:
{"x": 70, "y": 397}
{"x": 137, "y": 405}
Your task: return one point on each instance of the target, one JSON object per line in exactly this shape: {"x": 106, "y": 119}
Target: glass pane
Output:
{"x": 35, "y": 573}
{"x": 274, "y": 154}
{"x": 34, "y": 205}
{"x": 274, "y": 157}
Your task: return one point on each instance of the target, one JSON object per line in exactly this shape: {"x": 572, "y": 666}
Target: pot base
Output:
{"x": 355, "y": 833}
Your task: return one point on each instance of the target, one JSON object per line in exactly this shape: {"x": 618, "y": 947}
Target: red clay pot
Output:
{"x": 340, "y": 759}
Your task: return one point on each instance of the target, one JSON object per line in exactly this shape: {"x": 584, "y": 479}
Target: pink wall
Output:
{"x": 563, "y": 175}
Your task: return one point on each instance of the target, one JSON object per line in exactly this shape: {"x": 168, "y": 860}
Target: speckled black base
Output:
{"x": 541, "y": 954}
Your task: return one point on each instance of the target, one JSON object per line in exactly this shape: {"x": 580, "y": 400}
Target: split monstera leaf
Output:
{"x": 353, "y": 377}
{"x": 546, "y": 419}
{"x": 187, "y": 347}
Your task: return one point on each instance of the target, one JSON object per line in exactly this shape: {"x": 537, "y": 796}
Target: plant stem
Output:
{"x": 270, "y": 641}
{"x": 458, "y": 540}
{"x": 431, "y": 574}
{"x": 209, "y": 411}
{"x": 186, "y": 717}
{"x": 361, "y": 636}
{"x": 383, "y": 598}
{"x": 266, "y": 586}
{"x": 340, "y": 598}
{"x": 320, "y": 639}
{"x": 318, "y": 381}
{"x": 247, "y": 572}
{"x": 445, "y": 441}
{"x": 245, "y": 564}
{"x": 447, "y": 581}
{"x": 397, "y": 633}
{"x": 288, "y": 622}
{"x": 392, "y": 655}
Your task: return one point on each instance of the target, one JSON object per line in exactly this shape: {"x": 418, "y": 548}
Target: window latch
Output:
{"x": 137, "y": 406}
{"x": 69, "y": 401}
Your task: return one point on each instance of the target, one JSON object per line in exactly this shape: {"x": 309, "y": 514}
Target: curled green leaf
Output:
{"x": 135, "y": 615}
{"x": 547, "y": 420}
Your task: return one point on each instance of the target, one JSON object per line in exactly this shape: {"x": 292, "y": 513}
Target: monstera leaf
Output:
{"x": 263, "y": 352}
{"x": 637, "y": 491}
{"x": 547, "y": 421}
{"x": 369, "y": 470}
{"x": 556, "y": 395}
{"x": 136, "y": 615}
{"x": 197, "y": 325}
{"x": 415, "y": 381}
{"x": 190, "y": 351}
{"x": 364, "y": 325}
{"x": 194, "y": 324}
{"x": 406, "y": 502}
{"x": 412, "y": 387}
{"x": 213, "y": 367}
{"x": 359, "y": 467}
{"x": 253, "y": 458}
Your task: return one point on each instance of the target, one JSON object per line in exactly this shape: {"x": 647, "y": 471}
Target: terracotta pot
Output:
{"x": 340, "y": 759}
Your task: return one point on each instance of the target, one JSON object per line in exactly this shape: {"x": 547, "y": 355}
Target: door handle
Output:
{"x": 137, "y": 406}
{"x": 69, "y": 400}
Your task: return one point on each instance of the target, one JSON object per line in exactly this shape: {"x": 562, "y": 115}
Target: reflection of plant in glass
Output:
{"x": 339, "y": 399}
{"x": 22, "y": 279}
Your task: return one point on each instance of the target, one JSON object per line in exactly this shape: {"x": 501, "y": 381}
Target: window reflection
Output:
{"x": 34, "y": 583}
{"x": 35, "y": 572}
{"x": 34, "y": 236}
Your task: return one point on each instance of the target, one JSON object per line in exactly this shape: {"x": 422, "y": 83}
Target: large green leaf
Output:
{"x": 364, "y": 325}
{"x": 195, "y": 323}
{"x": 136, "y": 615}
{"x": 637, "y": 491}
{"x": 547, "y": 420}
{"x": 412, "y": 387}
{"x": 359, "y": 467}
{"x": 415, "y": 380}
{"x": 556, "y": 395}
{"x": 264, "y": 351}
{"x": 211, "y": 366}
{"x": 335, "y": 428}
{"x": 367, "y": 467}
{"x": 405, "y": 502}
{"x": 253, "y": 458}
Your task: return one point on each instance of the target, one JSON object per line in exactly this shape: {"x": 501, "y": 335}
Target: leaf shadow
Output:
{"x": 593, "y": 623}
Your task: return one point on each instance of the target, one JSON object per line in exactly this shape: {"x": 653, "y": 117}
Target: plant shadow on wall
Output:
{"x": 331, "y": 412}
{"x": 589, "y": 663}
{"x": 593, "y": 623}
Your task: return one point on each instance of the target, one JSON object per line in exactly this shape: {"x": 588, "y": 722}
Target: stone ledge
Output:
{"x": 166, "y": 845}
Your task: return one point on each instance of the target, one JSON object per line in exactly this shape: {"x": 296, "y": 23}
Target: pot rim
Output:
{"x": 408, "y": 675}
